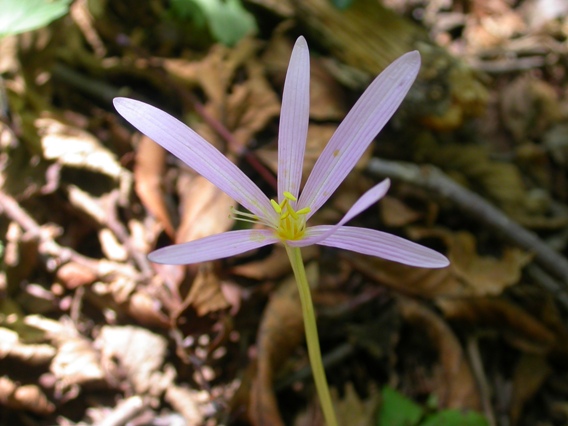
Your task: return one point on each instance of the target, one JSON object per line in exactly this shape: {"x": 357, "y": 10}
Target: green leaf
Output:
{"x": 398, "y": 410}
{"x": 455, "y": 418}
{"x": 228, "y": 20}
{"x": 18, "y": 16}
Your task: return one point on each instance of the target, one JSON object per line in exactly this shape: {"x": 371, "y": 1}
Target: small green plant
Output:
{"x": 18, "y": 16}
{"x": 398, "y": 410}
{"x": 228, "y": 21}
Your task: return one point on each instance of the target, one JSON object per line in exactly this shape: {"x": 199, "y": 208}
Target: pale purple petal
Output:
{"x": 197, "y": 153}
{"x": 294, "y": 117}
{"x": 363, "y": 203}
{"x": 367, "y": 117}
{"x": 381, "y": 244}
{"x": 214, "y": 247}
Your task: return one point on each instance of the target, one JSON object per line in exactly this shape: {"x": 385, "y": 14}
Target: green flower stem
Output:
{"x": 312, "y": 339}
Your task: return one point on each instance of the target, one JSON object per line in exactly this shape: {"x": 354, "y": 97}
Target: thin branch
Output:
{"x": 433, "y": 179}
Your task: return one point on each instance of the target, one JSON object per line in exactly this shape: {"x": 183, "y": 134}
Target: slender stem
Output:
{"x": 314, "y": 352}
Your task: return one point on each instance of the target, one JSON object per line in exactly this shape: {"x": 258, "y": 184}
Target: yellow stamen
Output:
{"x": 290, "y": 224}
{"x": 289, "y": 196}
{"x": 277, "y": 207}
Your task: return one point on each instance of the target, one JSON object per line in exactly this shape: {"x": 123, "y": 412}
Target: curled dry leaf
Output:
{"x": 24, "y": 397}
{"x": 251, "y": 105}
{"x": 76, "y": 362}
{"x": 469, "y": 274}
{"x": 32, "y": 354}
{"x": 205, "y": 209}
{"x": 281, "y": 331}
{"x": 73, "y": 275}
{"x": 206, "y": 294}
{"x": 74, "y": 147}
{"x": 350, "y": 409}
{"x": 187, "y": 402}
{"x": 530, "y": 373}
{"x": 519, "y": 327}
{"x": 149, "y": 169}
{"x": 455, "y": 385}
{"x": 140, "y": 355}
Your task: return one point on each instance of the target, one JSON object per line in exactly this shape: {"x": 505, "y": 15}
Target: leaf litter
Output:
{"x": 92, "y": 333}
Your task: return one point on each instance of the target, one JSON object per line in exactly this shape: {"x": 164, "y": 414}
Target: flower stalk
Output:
{"x": 311, "y": 330}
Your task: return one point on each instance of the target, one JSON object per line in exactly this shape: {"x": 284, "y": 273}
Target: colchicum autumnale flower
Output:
{"x": 286, "y": 219}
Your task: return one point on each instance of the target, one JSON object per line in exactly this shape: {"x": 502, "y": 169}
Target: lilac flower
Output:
{"x": 285, "y": 220}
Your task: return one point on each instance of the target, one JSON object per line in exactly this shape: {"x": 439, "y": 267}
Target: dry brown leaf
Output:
{"x": 187, "y": 402}
{"x": 456, "y": 386}
{"x": 396, "y": 214}
{"x": 140, "y": 355}
{"x": 529, "y": 107}
{"x": 468, "y": 274}
{"x": 149, "y": 168}
{"x": 530, "y": 373}
{"x": 144, "y": 309}
{"x": 350, "y": 409}
{"x": 74, "y": 147}
{"x": 326, "y": 96}
{"x": 76, "y": 362}
{"x": 520, "y": 328}
{"x": 33, "y": 354}
{"x": 251, "y": 105}
{"x": 487, "y": 275}
{"x": 24, "y": 397}
{"x": 205, "y": 294}
{"x": 281, "y": 331}
{"x": 205, "y": 209}
{"x": 73, "y": 275}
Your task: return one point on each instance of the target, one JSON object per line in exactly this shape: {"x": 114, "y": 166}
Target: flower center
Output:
{"x": 292, "y": 223}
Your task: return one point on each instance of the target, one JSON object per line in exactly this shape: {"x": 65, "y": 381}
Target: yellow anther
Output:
{"x": 277, "y": 207}
{"x": 305, "y": 210}
{"x": 292, "y": 213}
{"x": 289, "y": 196}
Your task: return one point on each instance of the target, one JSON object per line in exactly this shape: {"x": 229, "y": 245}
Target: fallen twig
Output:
{"x": 434, "y": 179}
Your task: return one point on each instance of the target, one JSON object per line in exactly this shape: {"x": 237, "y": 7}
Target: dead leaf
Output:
{"x": 395, "y": 213}
{"x": 24, "y": 397}
{"x": 187, "y": 402}
{"x": 520, "y": 328}
{"x": 529, "y": 107}
{"x": 455, "y": 385}
{"x": 469, "y": 274}
{"x": 148, "y": 174}
{"x": 206, "y": 294}
{"x": 76, "y": 363}
{"x": 139, "y": 355}
{"x": 530, "y": 373}
{"x": 205, "y": 209}
{"x": 487, "y": 275}
{"x": 251, "y": 105}
{"x": 326, "y": 96}
{"x": 33, "y": 354}
{"x": 74, "y": 147}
